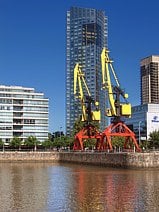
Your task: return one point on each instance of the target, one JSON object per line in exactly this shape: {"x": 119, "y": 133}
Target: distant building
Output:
{"x": 23, "y": 113}
{"x": 86, "y": 36}
{"x": 150, "y": 80}
{"x": 145, "y": 117}
{"x": 144, "y": 120}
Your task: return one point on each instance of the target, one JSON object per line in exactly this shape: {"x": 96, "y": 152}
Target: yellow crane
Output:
{"x": 89, "y": 107}
{"x": 81, "y": 91}
{"x": 117, "y": 108}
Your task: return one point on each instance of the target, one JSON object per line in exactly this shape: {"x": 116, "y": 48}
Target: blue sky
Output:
{"x": 33, "y": 40}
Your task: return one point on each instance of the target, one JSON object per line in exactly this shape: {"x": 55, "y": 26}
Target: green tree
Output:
{"x": 31, "y": 142}
{"x": 154, "y": 139}
{"x": 69, "y": 141}
{"x": 118, "y": 141}
{"x": 90, "y": 143}
{"x": 145, "y": 144}
{"x": 47, "y": 144}
{"x": 63, "y": 142}
{"x": 15, "y": 142}
{"x": 57, "y": 143}
{"x": 1, "y": 143}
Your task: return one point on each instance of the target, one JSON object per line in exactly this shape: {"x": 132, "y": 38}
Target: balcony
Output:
{"x": 17, "y": 122}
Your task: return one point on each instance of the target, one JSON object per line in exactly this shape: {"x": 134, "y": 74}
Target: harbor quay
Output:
{"x": 116, "y": 160}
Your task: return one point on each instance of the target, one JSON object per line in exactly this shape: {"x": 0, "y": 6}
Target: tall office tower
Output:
{"x": 23, "y": 113}
{"x": 149, "y": 76}
{"x": 86, "y": 36}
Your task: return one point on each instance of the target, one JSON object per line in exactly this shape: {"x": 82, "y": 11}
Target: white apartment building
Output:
{"x": 23, "y": 113}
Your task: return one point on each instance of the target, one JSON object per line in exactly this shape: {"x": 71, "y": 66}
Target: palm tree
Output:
{"x": 32, "y": 142}
{"x": 15, "y": 142}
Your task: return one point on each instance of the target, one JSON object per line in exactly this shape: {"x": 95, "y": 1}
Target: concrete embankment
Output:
{"x": 123, "y": 160}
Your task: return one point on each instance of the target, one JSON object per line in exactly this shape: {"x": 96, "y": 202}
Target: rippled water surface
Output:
{"x": 64, "y": 187}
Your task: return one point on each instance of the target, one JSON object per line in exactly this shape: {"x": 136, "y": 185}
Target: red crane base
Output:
{"x": 84, "y": 134}
{"x": 117, "y": 129}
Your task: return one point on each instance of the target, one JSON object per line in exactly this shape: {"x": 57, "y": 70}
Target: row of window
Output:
{"x": 25, "y": 128}
{"x": 2, "y": 107}
{"x": 5, "y": 101}
{"x": 42, "y": 134}
{"x": 25, "y": 102}
{"x": 5, "y": 128}
{"x": 31, "y": 121}
{"x": 21, "y": 96}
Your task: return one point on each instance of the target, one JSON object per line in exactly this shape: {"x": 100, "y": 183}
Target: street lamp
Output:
{"x": 139, "y": 132}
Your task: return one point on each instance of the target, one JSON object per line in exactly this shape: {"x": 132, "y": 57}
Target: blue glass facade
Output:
{"x": 144, "y": 120}
{"x": 86, "y": 36}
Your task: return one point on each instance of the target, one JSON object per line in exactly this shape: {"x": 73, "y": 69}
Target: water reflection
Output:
{"x": 54, "y": 187}
{"x": 24, "y": 187}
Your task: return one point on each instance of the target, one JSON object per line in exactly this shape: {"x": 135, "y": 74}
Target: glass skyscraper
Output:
{"x": 86, "y": 36}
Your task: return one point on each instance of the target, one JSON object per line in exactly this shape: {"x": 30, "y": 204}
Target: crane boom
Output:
{"x": 81, "y": 91}
{"x": 117, "y": 109}
{"x": 79, "y": 78}
{"x": 107, "y": 81}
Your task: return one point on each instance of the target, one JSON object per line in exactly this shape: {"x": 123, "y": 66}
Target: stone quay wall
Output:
{"x": 29, "y": 156}
{"x": 123, "y": 160}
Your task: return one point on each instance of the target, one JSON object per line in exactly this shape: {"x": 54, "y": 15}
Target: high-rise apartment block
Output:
{"x": 86, "y": 36}
{"x": 145, "y": 117}
{"x": 23, "y": 113}
{"x": 150, "y": 80}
